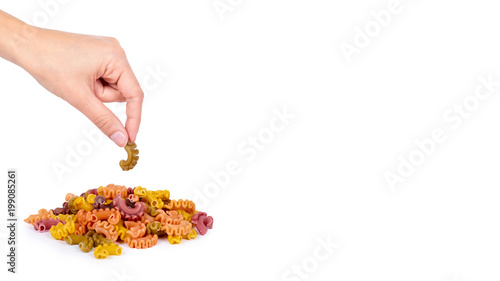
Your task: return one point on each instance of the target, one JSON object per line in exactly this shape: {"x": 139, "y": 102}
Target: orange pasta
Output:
{"x": 183, "y": 228}
{"x": 42, "y": 214}
{"x": 147, "y": 241}
{"x": 108, "y": 230}
{"x": 186, "y": 205}
{"x": 80, "y": 228}
{"x": 136, "y": 229}
{"x": 111, "y": 215}
{"x": 69, "y": 196}
{"x": 110, "y": 191}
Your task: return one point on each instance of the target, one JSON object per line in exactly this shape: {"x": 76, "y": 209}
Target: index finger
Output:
{"x": 131, "y": 90}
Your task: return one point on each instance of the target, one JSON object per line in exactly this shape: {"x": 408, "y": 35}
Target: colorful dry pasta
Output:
{"x": 101, "y": 219}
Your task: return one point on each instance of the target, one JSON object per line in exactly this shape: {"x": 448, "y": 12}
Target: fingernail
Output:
{"x": 119, "y": 138}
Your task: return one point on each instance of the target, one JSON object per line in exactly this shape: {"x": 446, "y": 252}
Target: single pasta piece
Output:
{"x": 174, "y": 239}
{"x": 136, "y": 229}
{"x": 45, "y": 224}
{"x": 81, "y": 203}
{"x": 80, "y": 228}
{"x": 69, "y": 196}
{"x": 184, "y": 227}
{"x": 74, "y": 239}
{"x": 203, "y": 222}
{"x": 154, "y": 227}
{"x": 129, "y": 213}
{"x": 186, "y": 205}
{"x": 103, "y": 227}
{"x": 132, "y": 157}
{"x": 60, "y": 230}
{"x": 87, "y": 244}
{"x": 110, "y": 191}
{"x": 42, "y": 214}
{"x": 111, "y": 215}
{"x": 104, "y": 250}
{"x": 147, "y": 241}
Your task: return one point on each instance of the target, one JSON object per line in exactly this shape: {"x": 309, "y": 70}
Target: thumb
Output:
{"x": 104, "y": 119}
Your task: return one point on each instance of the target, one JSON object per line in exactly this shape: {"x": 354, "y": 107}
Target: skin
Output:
{"x": 86, "y": 71}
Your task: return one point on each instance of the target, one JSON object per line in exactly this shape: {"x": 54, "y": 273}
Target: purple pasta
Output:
{"x": 203, "y": 222}
{"x": 127, "y": 212}
{"x": 100, "y": 203}
{"x": 62, "y": 211}
{"x": 92, "y": 191}
{"x": 130, "y": 190}
{"x": 45, "y": 224}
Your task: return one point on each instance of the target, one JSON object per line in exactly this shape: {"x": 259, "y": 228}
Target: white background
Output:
{"x": 322, "y": 177}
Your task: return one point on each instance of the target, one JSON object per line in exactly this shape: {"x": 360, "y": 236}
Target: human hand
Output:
{"x": 86, "y": 71}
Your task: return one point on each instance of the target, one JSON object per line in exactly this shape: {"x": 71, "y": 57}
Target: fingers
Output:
{"x": 103, "y": 118}
{"x": 106, "y": 93}
{"x": 131, "y": 90}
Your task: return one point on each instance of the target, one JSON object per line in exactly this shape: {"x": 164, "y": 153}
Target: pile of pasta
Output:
{"x": 100, "y": 218}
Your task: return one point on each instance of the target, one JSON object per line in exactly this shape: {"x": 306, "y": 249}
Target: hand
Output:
{"x": 85, "y": 71}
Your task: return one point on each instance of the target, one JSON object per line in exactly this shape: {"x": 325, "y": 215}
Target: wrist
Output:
{"x": 15, "y": 37}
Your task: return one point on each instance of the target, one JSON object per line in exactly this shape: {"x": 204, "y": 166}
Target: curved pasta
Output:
{"x": 111, "y": 215}
{"x": 100, "y": 240}
{"x": 81, "y": 203}
{"x": 169, "y": 217}
{"x": 60, "y": 230}
{"x": 90, "y": 198}
{"x": 161, "y": 194}
{"x": 186, "y": 205}
{"x": 110, "y": 191}
{"x": 69, "y": 196}
{"x": 142, "y": 242}
{"x": 45, "y": 224}
{"x": 87, "y": 244}
{"x": 136, "y": 229}
{"x": 187, "y": 216}
{"x": 147, "y": 219}
{"x": 104, "y": 250}
{"x": 140, "y": 191}
{"x": 174, "y": 239}
{"x": 174, "y": 224}
{"x": 132, "y": 157}
{"x": 74, "y": 239}
{"x": 71, "y": 205}
{"x": 191, "y": 235}
{"x": 103, "y": 227}
{"x": 127, "y": 212}
{"x": 80, "y": 228}
{"x": 154, "y": 227}
{"x": 42, "y": 214}
{"x": 152, "y": 211}
{"x": 152, "y": 200}
{"x": 100, "y": 203}
{"x": 121, "y": 230}
{"x": 62, "y": 210}
{"x": 202, "y": 222}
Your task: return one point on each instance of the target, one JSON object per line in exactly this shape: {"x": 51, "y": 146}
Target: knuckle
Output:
{"x": 103, "y": 122}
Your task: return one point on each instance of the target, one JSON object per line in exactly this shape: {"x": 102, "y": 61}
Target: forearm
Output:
{"x": 14, "y": 37}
